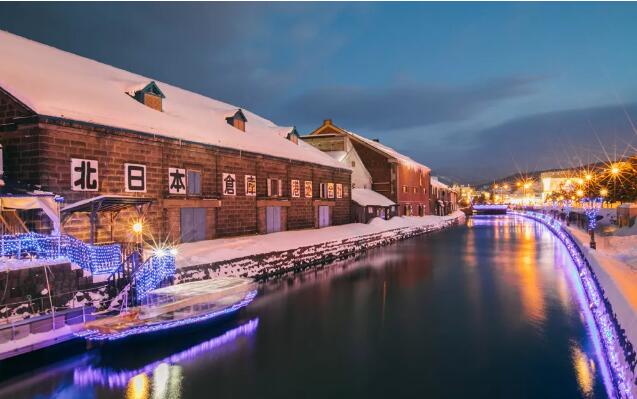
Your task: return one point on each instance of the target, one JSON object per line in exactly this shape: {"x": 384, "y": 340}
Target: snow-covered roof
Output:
{"x": 403, "y": 159}
{"x": 338, "y": 155}
{"x": 437, "y": 183}
{"x": 367, "y": 197}
{"x": 52, "y": 82}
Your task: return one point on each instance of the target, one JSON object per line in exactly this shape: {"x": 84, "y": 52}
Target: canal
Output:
{"x": 487, "y": 310}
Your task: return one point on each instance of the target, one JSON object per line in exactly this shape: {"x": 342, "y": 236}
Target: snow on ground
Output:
{"x": 15, "y": 264}
{"x": 217, "y": 250}
{"x": 617, "y": 277}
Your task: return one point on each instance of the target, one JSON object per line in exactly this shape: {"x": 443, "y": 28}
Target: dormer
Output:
{"x": 237, "y": 119}
{"x": 293, "y": 136}
{"x": 150, "y": 95}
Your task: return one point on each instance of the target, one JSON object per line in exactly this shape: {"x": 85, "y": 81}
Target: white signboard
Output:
{"x": 177, "y": 181}
{"x": 229, "y": 184}
{"x": 134, "y": 178}
{"x": 296, "y": 188}
{"x": 84, "y": 175}
{"x": 251, "y": 185}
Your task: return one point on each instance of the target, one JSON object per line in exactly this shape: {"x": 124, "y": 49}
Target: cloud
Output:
{"x": 557, "y": 139}
{"x": 403, "y": 105}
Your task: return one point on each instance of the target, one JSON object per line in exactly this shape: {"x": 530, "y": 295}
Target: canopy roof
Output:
{"x": 106, "y": 203}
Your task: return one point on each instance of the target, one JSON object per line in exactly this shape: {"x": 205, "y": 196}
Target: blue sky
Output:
{"x": 475, "y": 90}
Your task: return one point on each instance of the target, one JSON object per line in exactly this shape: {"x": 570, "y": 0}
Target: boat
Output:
{"x": 175, "y": 306}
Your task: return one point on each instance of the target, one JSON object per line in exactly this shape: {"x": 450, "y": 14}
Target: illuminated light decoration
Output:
{"x": 619, "y": 379}
{"x": 153, "y": 272}
{"x": 95, "y": 335}
{"x": 97, "y": 259}
{"x": 119, "y": 379}
{"x": 490, "y": 207}
{"x": 591, "y": 209}
{"x": 603, "y": 192}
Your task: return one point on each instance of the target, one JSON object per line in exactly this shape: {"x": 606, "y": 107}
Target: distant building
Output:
{"x": 118, "y": 146}
{"x": 377, "y": 167}
{"x": 443, "y": 199}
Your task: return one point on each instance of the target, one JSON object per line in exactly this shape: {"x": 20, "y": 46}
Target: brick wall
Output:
{"x": 40, "y": 154}
{"x": 11, "y": 108}
{"x": 379, "y": 168}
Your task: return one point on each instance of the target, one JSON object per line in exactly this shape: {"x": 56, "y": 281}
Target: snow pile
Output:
{"x": 273, "y": 254}
{"x": 367, "y": 197}
{"x": 201, "y": 252}
{"x": 56, "y": 83}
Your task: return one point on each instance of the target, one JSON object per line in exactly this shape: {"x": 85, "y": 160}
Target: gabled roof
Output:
{"x": 375, "y": 145}
{"x": 148, "y": 88}
{"x": 59, "y": 84}
{"x": 236, "y": 114}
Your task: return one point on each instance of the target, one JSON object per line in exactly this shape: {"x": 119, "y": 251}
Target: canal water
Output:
{"x": 487, "y": 310}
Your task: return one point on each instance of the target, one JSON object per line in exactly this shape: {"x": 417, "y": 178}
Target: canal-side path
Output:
{"x": 605, "y": 301}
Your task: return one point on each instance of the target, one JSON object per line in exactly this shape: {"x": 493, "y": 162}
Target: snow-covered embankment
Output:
{"x": 268, "y": 255}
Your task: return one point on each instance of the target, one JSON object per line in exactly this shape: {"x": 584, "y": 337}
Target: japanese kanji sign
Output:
{"x": 134, "y": 178}
{"x": 308, "y": 189}
{"x": 296, "y": 188}
{"x": 339, "y": 190}
{"x": 330, "y": 190}
{"x": 176, "y": 181}
{"x": 229, "y": 184}
{"x": 251, "y": 185}
{"x": 84, "y": 175}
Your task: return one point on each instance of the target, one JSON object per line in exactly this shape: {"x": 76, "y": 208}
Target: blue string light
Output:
{"x": 98, "y": 259}
{"x": 153, "y": 272}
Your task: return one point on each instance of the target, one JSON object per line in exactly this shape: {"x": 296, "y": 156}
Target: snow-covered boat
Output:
{"x": 175, "y": 306}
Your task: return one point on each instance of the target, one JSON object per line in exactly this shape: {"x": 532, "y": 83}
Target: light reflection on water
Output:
{"x": 493, "y": 305}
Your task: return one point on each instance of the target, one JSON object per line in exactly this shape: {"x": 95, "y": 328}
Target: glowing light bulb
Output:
{"x": 137, "y": 227}
{"x": 603, "y": 192}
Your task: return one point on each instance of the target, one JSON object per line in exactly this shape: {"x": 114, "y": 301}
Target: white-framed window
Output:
{"x": 275, "y": 187}
{"x": 308, "y": 189}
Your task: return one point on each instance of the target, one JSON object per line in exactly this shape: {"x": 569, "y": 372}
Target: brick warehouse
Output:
{"x": 377, "y": 167}
{"x": 84, "y": 130}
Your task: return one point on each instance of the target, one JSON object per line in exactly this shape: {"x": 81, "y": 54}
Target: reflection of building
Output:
{"x": 386, "y": 171}
{"x": 102, "y": 138}
{"x": 443, "y": 199}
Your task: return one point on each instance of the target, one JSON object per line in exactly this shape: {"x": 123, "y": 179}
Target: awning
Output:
{"x": 46, "y": 202}
{"x": 105, "y": 203}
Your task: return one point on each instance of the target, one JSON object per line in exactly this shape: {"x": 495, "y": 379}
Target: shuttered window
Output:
{"x": 194, "y": 182}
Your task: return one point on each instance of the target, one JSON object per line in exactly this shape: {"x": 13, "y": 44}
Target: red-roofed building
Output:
{"x": 392, "y": 174}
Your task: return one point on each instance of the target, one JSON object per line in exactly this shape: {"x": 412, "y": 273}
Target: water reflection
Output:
{"x": 484, "y": 311}
{"x": 164, "y": 376}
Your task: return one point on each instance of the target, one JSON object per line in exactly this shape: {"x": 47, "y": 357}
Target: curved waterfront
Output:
{"x": 486, "y": 310}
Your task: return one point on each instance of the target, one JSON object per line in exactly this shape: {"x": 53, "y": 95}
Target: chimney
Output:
{"x": 327, "y": 121}
{"x": 376, "y": 140}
